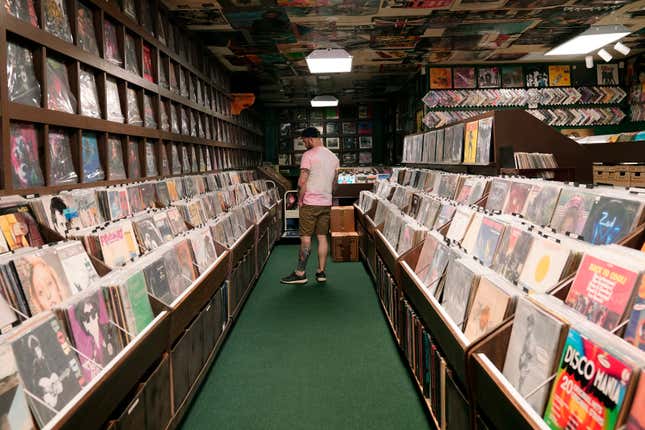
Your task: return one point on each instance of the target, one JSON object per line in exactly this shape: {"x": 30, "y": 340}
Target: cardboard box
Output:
{"x": 344, "y": 246}
{"x": 342, "y": 219}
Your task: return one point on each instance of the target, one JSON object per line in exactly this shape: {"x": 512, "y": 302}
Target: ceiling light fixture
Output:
{"x": 622, "y": 48}
{"x": 589, "y": 61}
{"x": 324, "y": 101}
{"x": 605, "y": 55}
{"x": 595, "y": 37}
{"x": 329, "y": 61}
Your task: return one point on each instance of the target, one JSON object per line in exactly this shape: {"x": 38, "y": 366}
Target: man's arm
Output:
{"x": 302, "y": 185}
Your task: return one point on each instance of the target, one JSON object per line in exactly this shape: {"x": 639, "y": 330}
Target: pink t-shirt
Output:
{"x": 322, "y": 165}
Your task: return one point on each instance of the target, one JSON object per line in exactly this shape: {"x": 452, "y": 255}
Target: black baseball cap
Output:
{"x": 310, "y": 132}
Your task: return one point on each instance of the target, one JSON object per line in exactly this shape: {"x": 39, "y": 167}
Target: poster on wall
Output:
{"x": 440, "y": 78}
{"x": 607, "y": 74}
{"x": 537, "y": 76}
{"x": 512, "y": 77}
{"x": 464, "y": 77}
{"x": 559, "y": 76}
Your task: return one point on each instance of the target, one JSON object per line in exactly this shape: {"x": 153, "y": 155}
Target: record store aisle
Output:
{"x": 308, "y": 357}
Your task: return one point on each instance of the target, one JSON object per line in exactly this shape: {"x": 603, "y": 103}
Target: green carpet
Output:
{"x": 308, "y": 357}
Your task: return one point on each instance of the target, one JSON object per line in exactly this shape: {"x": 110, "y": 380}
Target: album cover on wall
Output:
{"x": 484, "y": 140}
{"x": 331, "y": 128}
{"x": 47, "y": 366}
{"x": 365, "y": 128}
{"x": 85, "y": 31}
{"x": 559, "y": 75}
{"x": 151, "y": 160}
{"x": 440, "y": 78}
{"x": 59, "y": 93}
{"x": 470, "y": 146}
{"x": 149, "y": 116}
{"x": 60, "y": 154}
{"x": 134, "y": 114}
{"x": 607, "y": 74}
{"x": 92, "y": 170}
{"x": 21, "y": 76}
{"x": 488, "y": 77}
{"x": 131, "y": 57}
{"x": 349, "y": 127}
{"x": 148, "y": 71}
{"x": 512, "y": 77}
{"x": 365, "y": 142}
{"x": 464, "y": 77}
{"x": 537, "y": 76}
{"x": 25, "y": 163}
{"x": 89, "y": 95}
{"x": 113, "y": 101}
{"x": 24, "y": 10}
{"x": 365, "y": 157}
{"x": 116, "y": 168}
{"x": 112, "y": 53}
{"x": 349, "y": 143}
{"x": 134, "y": 166}
{"x": 57, "y": 19}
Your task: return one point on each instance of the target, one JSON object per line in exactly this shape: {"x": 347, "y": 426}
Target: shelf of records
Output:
{"x": 133, "y": 83}
{"x": 362, "y": 158}
{"x": 464, "y": 143}
{"x": 555, "y": 117}
{"x": 96, "y": 285}
{"x": 523, "y": 287}
{"x": 45, "y": 158}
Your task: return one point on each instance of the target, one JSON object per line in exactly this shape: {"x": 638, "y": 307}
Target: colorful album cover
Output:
{"x": 149, "y": 112}
{"x": 490, "y": 233}
{"x": 611, "y": 219}
{"x": 86, "y": 35}
{"x": 23, "y": 85}
{"x": 131, "y": 57}
{"x": 544, "y": 265}
{"x": 470, "y": 147}
{"x": 43, "y": 280}
{"x": 60, "y": 154}
{"x": 113, "y": 101}
{"x": 533, "y": 352}
{"x": 512, "y": 77}
{"x": 602, "y": 290}
{"x": 365, "y": 128}
{"x": 89, "y": 95}
{"x": 92, "y": 169}
{"x": 56, "y": 19}
{"x": 92, "y": 332}
{"x": 24, "y": 10}
{"x": 137, "y": 303}
{"x": 134, "y": 167}
{"x": 135, "y": 199}
{"x": 59, "y": 93}
{"x": 488, "y": 77}
{"x": 559, "y": 76}
{"x": 19, "y": 228}
{"x": 364, "y": 112}
{"x": 330, "y": 113}
{"x": 48, "y": 367}
{"x": 440, "y": 78}
{"x": 111, "y": 44}
{"x": 464, "y": 77}
{"x": 590, "y": 386}
{"x": 517, "y": 196}
{"x": 572, "y": 211}
{"x": 25, "y": 163}
{"x": 149, "y": 236}
{"x": 116, "y": 168}
{"x": 134, "y": 114}
{"x": 536, "y": 76}
{"x": 484, "y": 140}
{"x": 489, "y": 307}
{"x": 151, "y": 160}
{"x": 148, "y": 71}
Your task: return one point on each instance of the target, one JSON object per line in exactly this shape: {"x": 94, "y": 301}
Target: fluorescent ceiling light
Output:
{"x": 605, "y": 55}
{"x": 324, "y": 101}
{"x": 329, "y": 61}
{"x": 594, "y": 38}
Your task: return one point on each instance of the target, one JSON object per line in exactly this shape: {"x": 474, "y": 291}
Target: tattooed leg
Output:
{"x": 303, "y": 254}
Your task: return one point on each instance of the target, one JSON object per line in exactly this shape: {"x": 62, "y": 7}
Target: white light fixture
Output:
{"x": 329, "y": 61}
{"x": 324, "y": 101}
{"x": 589, "y": 61}
{"x": 622, "y": 48}
{"x": 605, "y": 55}
{"x": 595, "y": 37}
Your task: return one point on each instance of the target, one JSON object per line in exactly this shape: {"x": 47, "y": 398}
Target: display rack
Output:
{"x": 202, "y": 94}
{"x": 517, "y": 131}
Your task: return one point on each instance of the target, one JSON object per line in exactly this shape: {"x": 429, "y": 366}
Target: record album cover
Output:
{"x": 92, "y": 169}
{"x": 14, "y": 410}
{"x": 131, "y": 57}
{"x": 611, "y": 219}
{"x": 113, "y": 101}
{"x": 484, "y": 140}
{"x": 545, "y": 265}
{"x": 457, "y": 290}
{"x": 62, "y": 167}
{"x": 572, "y": 211}
{"x": 57, "y": 20}
{"x": 47, "y": 365}
{"x": 498, "y": 194}
{"x": 489, "y": 307}
{"x": 541, "y": 203}
{"x": 26, "y": 171}
{"x": 634, "y": 333}
{"x": 464, "y": 77}
{"x": 134, "y": 165}
{"x": 470, "y": 147}
{"x": 24, "y": 10}
{"x": 116, "y": 168}
{"x": 488, "y": 238}
{"x": 512, "y": 252}
{"x": 78, "y": 268}
{"x": 86, "y": 35}
{"x": 111, "y": 44}
{"x": 89, "y": 95}
{"x": 157, "y": 281}
{"x": 23, "y": 85}
{"x": 137, "y": 305}
{"x": 517, "y": 196}
{"x": 533, "y": 352}
{"x": 59, "y": 92}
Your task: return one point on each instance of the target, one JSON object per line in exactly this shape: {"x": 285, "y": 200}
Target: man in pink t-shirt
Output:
{"x": 315, "y": 186}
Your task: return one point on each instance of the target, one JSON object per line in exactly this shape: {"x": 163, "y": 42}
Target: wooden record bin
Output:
{"x": 516, "y": 130}
{"x": 199, "y": 92}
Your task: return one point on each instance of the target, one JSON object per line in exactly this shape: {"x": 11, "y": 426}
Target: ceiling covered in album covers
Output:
{"x": 388, "y": 39}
